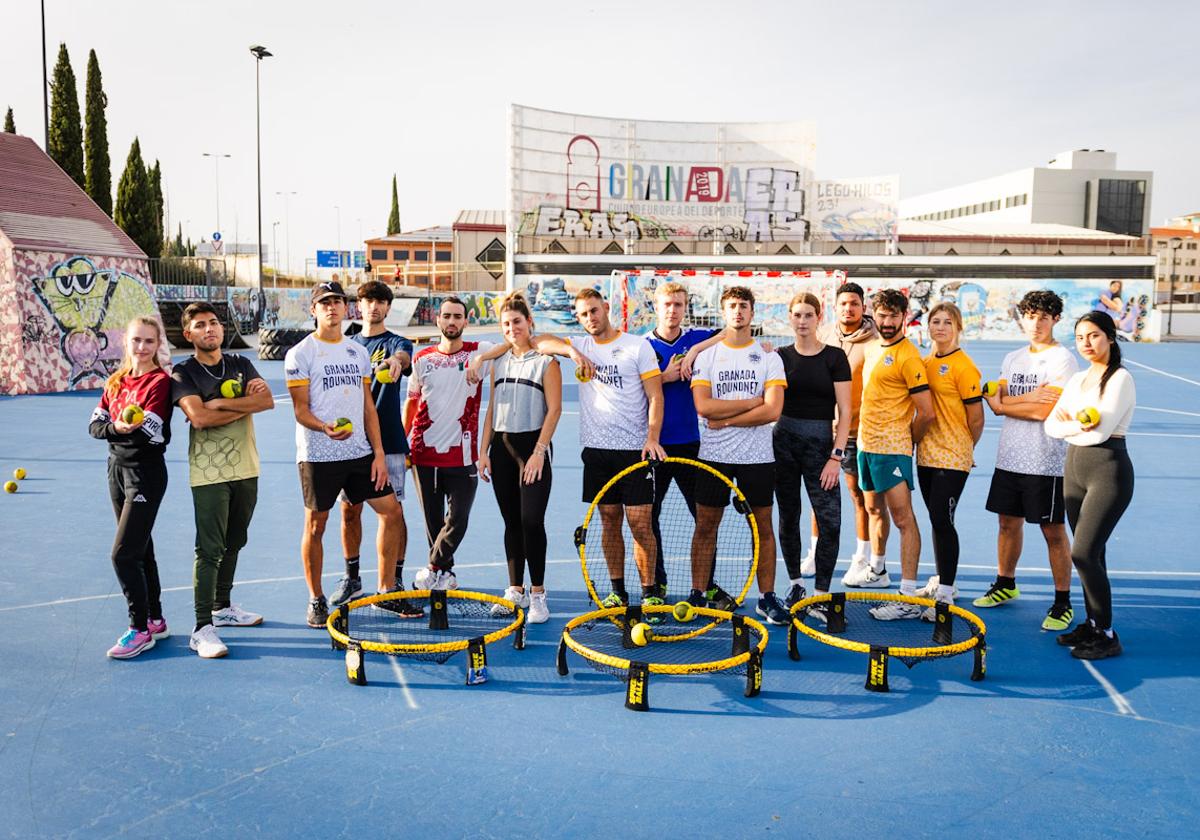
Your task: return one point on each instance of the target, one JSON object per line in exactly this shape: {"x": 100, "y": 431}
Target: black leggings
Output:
{"x": 802, "y": 450}
{"x": 523, "y": 506}
{"x": 941, "y": 489}
{"x": 446, "y": 495}
{"x": 1097, "y": 487}
{"x": 136, "y": 492}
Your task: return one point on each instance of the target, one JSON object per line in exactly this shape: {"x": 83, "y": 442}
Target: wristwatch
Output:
{"x": 837, "y": 454}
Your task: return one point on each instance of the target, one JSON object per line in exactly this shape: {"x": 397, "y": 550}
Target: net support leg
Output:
{"x": 877, "y": 668}
{"x": 562, "y": 658}
{"x": 438, "y": 619}
{"x": 637, "y": 687}
{"x": 980, "y": 668}
{"x": 792, "y": 648}
{"x": 943, "y": 633}
{"x": 741, "y": 636}
{"x": 341, "y": 621}
{"x": 355, "y": 672}
{"x": 836, "y": 620}
{"x": 753, "y": 673}
{"x": 477, "y": 672}
{"x": 633, "y": 614}
{"x": 519, "y": 635}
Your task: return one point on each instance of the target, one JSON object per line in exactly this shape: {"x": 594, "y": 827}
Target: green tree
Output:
{"x": 95, "y": 143}
{"x": 10, "y": 127}
{"x": 135, "y": 202}
{"x": 154, "y": 175}
{"x": 66, "y": 132}
{"x": 176, "y": 248}
{"x": 393, "y": 225}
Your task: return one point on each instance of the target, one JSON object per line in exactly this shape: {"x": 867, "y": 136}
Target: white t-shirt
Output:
{"x": 445, "y": 427}
{"x": 1024, "y": 445}
{"x": 738, "y": 373}
{"x": 334, "y": 372}
{"x": 1115, "y": 408}
{"x": 613, "y": 409}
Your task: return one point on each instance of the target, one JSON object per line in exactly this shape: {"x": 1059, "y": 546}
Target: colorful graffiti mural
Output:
{"x": 69, "y": 316}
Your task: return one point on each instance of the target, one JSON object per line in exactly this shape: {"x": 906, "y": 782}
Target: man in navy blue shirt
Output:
{"x": 391, "y": 360}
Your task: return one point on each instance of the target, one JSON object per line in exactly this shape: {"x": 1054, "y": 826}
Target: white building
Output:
{"x": 1081, "y": 188}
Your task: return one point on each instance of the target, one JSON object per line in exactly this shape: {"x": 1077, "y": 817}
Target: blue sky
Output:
{"x": 938, "y": 92}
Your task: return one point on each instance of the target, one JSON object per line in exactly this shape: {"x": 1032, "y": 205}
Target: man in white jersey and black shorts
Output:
{"x": 620, "y": 419}
{"x": 738, "y": 391}
{"x": 1027, "y": 485}
{"x": 329, "y": 379}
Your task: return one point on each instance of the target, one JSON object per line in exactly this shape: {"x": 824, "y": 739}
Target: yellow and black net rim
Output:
{"x": 740, "y": 506}
{"x": 835, "y": 607}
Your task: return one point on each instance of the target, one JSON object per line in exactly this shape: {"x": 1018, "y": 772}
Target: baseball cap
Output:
{"x": 328, "y": 289}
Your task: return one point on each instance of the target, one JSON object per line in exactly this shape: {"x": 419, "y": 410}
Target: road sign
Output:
{"x": 360, "y": 259}
{"x": 333, "y": 259}
{"x": 216, "y": 236}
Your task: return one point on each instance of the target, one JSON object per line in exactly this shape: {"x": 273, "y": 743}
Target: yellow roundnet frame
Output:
{"x": 342, "y": 639}
{"x": 620, "y": 664}
{"x": 592, "y": 508}
{"x": 877, "y": 667}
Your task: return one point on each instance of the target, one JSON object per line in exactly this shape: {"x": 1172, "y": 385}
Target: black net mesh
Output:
{"x": 703, "y": 652}
{"x": 720, "y": 556}
{"x": 467, "y": 619}
{"x": 865, "y": 628}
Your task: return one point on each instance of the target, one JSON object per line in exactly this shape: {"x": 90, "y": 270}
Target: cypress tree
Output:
{"x": 10, "y": 127}
{"x": 154, "y": 176}
{"x": 135, "y": 202}
{"x": 393, "y": 225}
{"x": 66, "y": 132}
{"x": 95, "y": 143}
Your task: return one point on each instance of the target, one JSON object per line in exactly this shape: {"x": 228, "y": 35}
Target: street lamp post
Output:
{"x": 1175, "y": 242}
{"x": 275, "y": 253}
{"x": 216, "y": 156}
{"x": 259, "y": 52}
{"x": 287, "y": 221}
{"x": 339, "y": 235}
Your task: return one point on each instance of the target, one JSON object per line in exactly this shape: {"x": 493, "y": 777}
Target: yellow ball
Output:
{"x": 19, "y": 473}
{"x": 231, "y": 389}
{"x": 991, "y": 388}
{"x": 581, "y": 375}
{"x": 383, "y": 374}
{"x": 133, "y": 414}
{"x": 1088, "y": 416}
{"x": 683, "y": 612}
{"x": 343, "y": 424}
{"x": 641, "y": 634}
{"x": 11, "y": 487}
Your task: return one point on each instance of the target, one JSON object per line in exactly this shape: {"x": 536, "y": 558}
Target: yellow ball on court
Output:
{"x": 19, "y": 473}
{"x": 231, "y": 389}
{"x": 641, "y": 634}
{"x": 683, "y": 612}
{"x": 343, "y": 424}
{"x": 133, "y": 414}
{"x": 11, "y": 487}
{"x": 1088, "y": 416}
{"x": 581, "y": 375}
{"x": 991, "y": 388}
{"x": 383, "y": 374}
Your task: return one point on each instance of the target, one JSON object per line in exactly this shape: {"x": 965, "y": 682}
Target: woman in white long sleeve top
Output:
{"x": 1098, "y": 481}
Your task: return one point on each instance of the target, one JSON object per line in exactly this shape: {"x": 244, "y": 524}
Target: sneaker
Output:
{"x": 819, "y": 613}
{"x": 895, "y": 611}
{"x": 347, "y": 590}
{"x": 439, "y": 579}
{"x": 131, "y": 643}
{"x": 874, "y": 579}
{"x": 615, "y": 599}
{"x": 808, "y": 566}
{"x": 930, "y": 613}
{"x": 719, "y": 599}
{"x": 859, "y": 566}
{"x": 207, "y": 643}
{"x": 653, "y": 601}
{"x": 157, "y": 627}
{"x": 538, "y": 613}
{"x": 517, "y": 596}
{"x": 770, "y": 608}
{"x": 997, "y": 595}
{"x": 930, "y": 589}
{"x": 697, "y": 598}
{"x": 1058, "y": 617}
{"x": 235, "y": 616}
{"x": 318, "y": 612}
{"x": 1101, "y": 646}
{"x": 402, "y": 607}
{"x": 1082, "y": 634}
{"x": 795, "y": 594}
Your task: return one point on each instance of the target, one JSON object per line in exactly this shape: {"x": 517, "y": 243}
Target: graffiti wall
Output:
{"x": 63, "y": 323}
{"x": 857, "y": 208}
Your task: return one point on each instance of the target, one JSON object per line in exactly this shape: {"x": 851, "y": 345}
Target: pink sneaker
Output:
{"x": 157, "y": 627}
{"x": 131, "y": 644}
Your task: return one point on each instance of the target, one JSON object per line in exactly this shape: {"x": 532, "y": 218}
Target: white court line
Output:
{"x": 1163, "y": 372}
{"x": 1169, "y": 411}
{"x": 1118, "y": 699}
{"x": 1046, "y": 570}
{"x": 399, "y": 672}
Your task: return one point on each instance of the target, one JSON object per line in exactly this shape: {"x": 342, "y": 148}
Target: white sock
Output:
{"x": 863, "y": 549}
{"x": 796, "y": 581}
{"x": 878, "y": 562}
{"x": 1109, "y": 632}
{"x": 908, "y": 587}
{"x": 812, "y": 550}
{"x": 945, "y": 593}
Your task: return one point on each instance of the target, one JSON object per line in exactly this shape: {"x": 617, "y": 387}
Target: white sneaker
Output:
{"x": 894, "y": 611}
{"x": 859, "y": 566}
{"x": 517, "y": 596}
{"x": 435, "y": 579}
{"x": 930, "y": 589}
{"x": 235, "y": 616}
{"x": 539, "y": 613}
{"x": 930, "y": 613}
{"x": 808, "y": 566}
{"x": 207, "y": 643}
{"x": 875, "y": 579}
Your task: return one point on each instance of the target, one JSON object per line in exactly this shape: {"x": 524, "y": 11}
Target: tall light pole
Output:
{"x": 259, "y": 52}
{"x": 339, "y": 234}
{"x": 45, "y": 81}
{"x": 216, "y": 156}
{"x": 274, "y": 253}
{"x": 1175, "y": 243}
{"x": 287, "y": 221}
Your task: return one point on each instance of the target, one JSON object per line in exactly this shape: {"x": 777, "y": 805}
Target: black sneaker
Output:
{"x": 719, "y": 599}
{"x": 770, "y": 608}
{"x": 402, "y": 607}
{"x": 1082, "y": 634}
{"x": 1102, "y": 646}
{"x": 347, "y": 590}
{"x": 697, "y": 599}
{"x": 795, "y": 594}
{"x": 318, "y": 612}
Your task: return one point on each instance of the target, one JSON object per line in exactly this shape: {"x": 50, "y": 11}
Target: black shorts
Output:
{"x": 322, "y": 481}
{"x": 756, "y": 481}
{"x": 1036, "y": 498}
{"x": 850, "y": 459}
{"x": 600, "y": 465}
